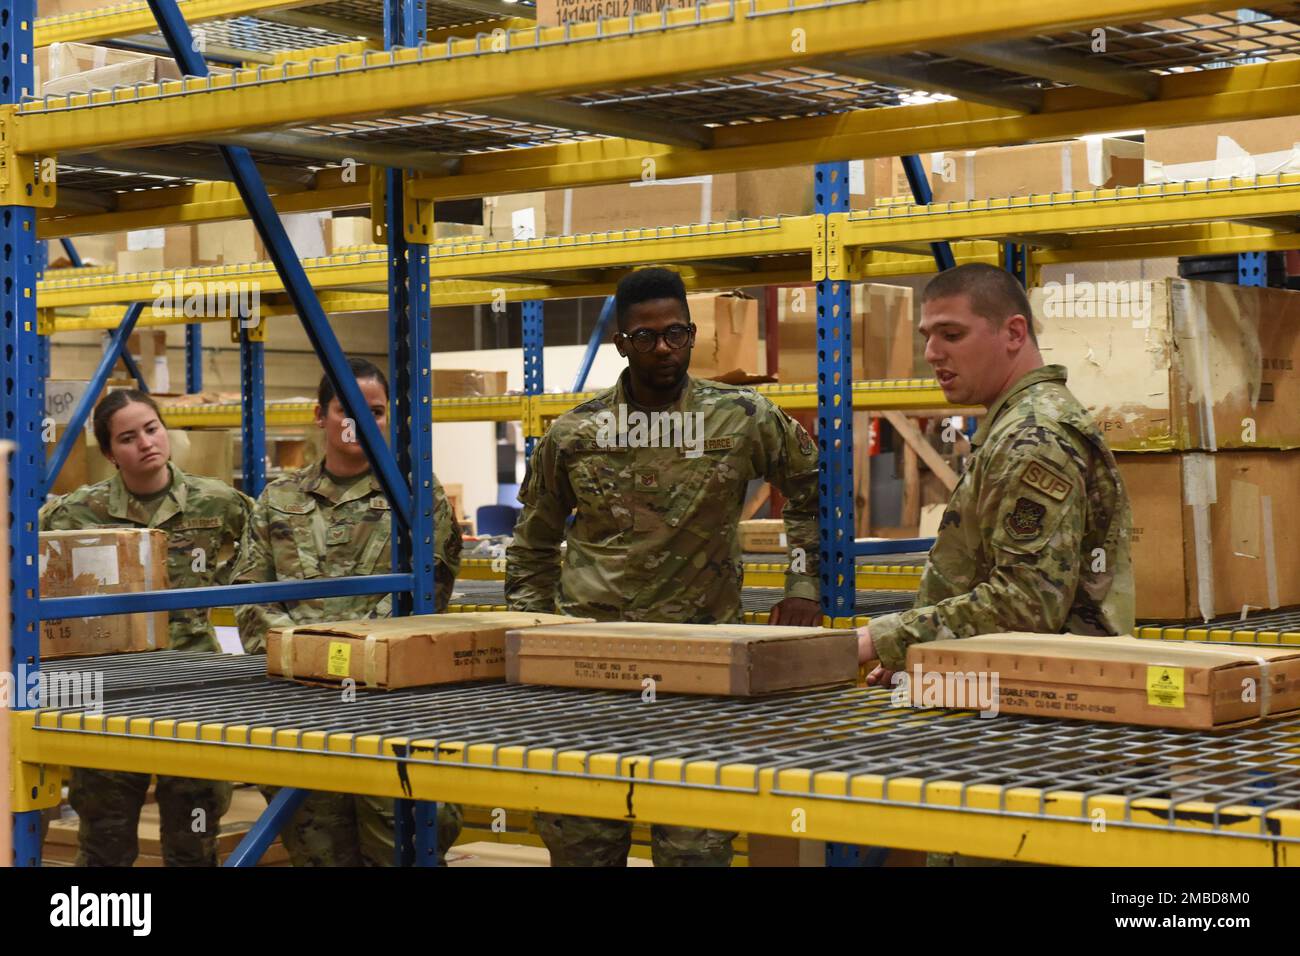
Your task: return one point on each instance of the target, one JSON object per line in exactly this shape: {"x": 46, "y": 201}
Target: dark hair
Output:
{"x": 362, "y": 370}
{"x": 647, "y": 285}
{"x": 993, "y": 293}
{"x": 110, "y": 405}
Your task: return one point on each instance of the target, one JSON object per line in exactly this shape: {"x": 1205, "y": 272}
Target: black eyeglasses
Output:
{"x": 647, "y": 340}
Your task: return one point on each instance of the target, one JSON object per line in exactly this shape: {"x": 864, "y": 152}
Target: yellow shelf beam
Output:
{"x": 1030, "y": 825}
{"x": 716, "y": 40}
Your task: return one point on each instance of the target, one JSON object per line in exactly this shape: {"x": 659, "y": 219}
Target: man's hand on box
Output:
{"x": 878, "y": 676}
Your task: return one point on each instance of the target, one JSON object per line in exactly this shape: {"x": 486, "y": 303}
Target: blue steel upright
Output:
{"x": 193, "y": 358}
{"x": 1252, "y": 269}
{"x": 835, "y": 412}
{"x": 534, "y": 336}
{"x": 252, "y": 399}
{"x": 22, "y": 408}
{"x": 410, "y": 342}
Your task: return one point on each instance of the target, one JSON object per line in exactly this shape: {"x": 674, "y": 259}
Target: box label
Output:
{"x": 1165, "y": 687}
{"x": 99, "y": 561}
{"x": 339, "y": 659}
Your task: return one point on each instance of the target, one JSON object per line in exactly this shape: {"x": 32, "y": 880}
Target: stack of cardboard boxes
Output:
{"x": 1196, "y": 386}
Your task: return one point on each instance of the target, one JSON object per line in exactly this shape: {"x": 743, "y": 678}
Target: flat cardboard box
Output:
{"x": 104, "y": 561}
{"x": 763, "y": 536}
{"x": 1243, "y": 149}
{"x": 467, "y": 383}
{"x": 726, "y": 334}
{"x": 735, "y": 660}
{"x": 1001, "y": 171}
{"x": 882, "y": 332}
{"x": 397, "y": 652}
{"x": 1115, "y": 680}
{"x": 1178, "y": 364}
{"x": 551, "y": 13}
{"x": 1211, "y": 533}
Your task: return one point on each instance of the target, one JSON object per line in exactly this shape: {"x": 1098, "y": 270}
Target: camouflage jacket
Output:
{"x": 655, "y": 536}
{"x": 1035, "y": 536}
{"x": 204, "y": 519}
{"x": 305, "y": 526}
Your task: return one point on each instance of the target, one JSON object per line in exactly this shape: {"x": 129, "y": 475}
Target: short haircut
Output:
{"x": 993, "y": 293}
{"x": 110, "y": 405}
{"x": 647, "y": 285}
{"x": 362, "y": 370}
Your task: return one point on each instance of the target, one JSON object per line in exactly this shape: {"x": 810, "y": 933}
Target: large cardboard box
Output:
{"x": 1211, "y": 532}
{"x": 763, "y": 536}
{"x": 1114, "y": 680}
{"x": 225, "y": 243}
{"x": 467, "y": 383}
{"x": 103, "y": 561}
{"x": 1244, "y": 149}
{"x": 882, "y": 332}
{"x": 399, "y": 651}
{"x": 878, "y": 182}
{"x": 1000, "y": 171}
{"x": 63, "y": 68}
{"x": 726, "y": 334}
{"x": 1178, "y": 364}
{"x": 552, "y": 13}
{"x": 736, "y": 660}
{"x": 207, "y": 453}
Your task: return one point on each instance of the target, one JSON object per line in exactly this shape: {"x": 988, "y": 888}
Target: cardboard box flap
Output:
{"x": 1120, "y": 661}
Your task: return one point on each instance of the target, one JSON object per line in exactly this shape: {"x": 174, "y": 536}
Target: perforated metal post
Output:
{"x": 194, "y": 358}
{"x": 1015, "y": 260}
{"x": 252, "y": 398}
{"x": 22, "y": 398}
{"x": 533, "y": 328}
{"x": 1252, "y": 269}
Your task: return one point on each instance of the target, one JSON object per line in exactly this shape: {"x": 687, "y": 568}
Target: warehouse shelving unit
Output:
{"x": 710, "y": 89}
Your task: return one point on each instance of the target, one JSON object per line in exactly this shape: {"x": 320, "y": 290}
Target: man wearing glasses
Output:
{"x": 654, "y": 472}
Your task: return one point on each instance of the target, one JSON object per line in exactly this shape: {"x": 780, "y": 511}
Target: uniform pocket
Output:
{"x": 294, "y": 544}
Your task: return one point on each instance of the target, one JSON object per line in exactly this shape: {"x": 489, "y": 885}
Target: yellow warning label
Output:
{"x": 1165, "y": 686}
{"x": 340, "y": 657}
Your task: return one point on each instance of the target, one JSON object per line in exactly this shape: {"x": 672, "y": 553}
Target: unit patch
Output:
{"x": 1025, "y": 522}
{"x": 1046, "y": 479}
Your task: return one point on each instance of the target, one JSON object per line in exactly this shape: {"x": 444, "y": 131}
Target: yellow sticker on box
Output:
{"x": 1165, "y": 686}
{"x": 339, "y": 659}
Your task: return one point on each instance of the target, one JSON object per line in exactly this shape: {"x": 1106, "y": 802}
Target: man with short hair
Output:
{"x": 1036, "y": 534}
{"x": 654, "y": 472}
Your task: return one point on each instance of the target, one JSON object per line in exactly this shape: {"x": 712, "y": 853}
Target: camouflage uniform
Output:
{"x": 655, "y": 538}
{"x": 1035, "y": 536}
{"x": 304, "y": 526}
{"x": 196, "y": 513}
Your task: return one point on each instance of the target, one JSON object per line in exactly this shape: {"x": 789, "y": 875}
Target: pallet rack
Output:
{"x": 718, "y": 88}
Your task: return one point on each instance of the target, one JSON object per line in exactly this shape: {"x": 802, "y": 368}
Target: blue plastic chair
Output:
{"x": 495, "y": 519}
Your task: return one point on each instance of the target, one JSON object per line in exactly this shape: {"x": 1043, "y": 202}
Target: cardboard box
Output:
{"x": 1243, "y": 149}
{"x": 207, "y": 453}
{"x": 63, "y": 68}
{"x": 225, "y": 243}
{"x": 726, "y": 334}
{"x": 1000, "y": 171}
{"x": 736, "y": 660}
{"x": 878, "y": 182}
{"x": 1115, "y": 680}
{"x": 763, "y": 536}
{"x": 104, "y": 561}
{"x": 1178, "y": 364}
{"x": 467, "y": 383}
{"x": 882, "y": 332}
{"x": 1211, "y": 533}
{"x": 399, "y": 651}
{"x": 551, "y": 13}
{"x": 519, "y": 216}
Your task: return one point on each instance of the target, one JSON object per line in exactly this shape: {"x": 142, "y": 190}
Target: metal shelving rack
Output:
{"x": 711, "y": 89}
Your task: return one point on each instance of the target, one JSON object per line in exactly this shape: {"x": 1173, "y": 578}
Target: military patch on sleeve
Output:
{"x": 805, "y": 440}
{"x": 1046, "y": 479}
{"x": 1025, "y": 522}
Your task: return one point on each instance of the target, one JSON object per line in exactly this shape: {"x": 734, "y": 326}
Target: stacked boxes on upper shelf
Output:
{"x": 1195, "y": 386}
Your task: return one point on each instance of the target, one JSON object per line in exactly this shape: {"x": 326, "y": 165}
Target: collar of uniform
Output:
{"x": 121, "y": 501}
{"x": 1048, "y": 373}
{"x": 623, "y": 394}
{"x": 316, "y": 482}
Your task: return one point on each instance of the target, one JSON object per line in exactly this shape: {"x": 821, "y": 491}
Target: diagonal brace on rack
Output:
{"x": 258, "y": 202}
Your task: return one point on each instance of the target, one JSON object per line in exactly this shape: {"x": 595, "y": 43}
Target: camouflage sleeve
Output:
{"x": 446, "y": 549}
{"x": 1031, "y": 506}
{"x": 236, "y": 518}
{"x": 256, "y": 565}
{"x": 533, "y": 558}
{"x": 790, "y": 463}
